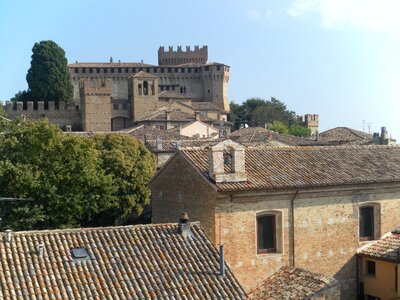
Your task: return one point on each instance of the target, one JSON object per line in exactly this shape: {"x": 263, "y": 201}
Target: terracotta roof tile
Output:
{"x": 286, "y": 167}
{"x": 345, "y": 135}
{"x": 387, "y": 248}
{"x": 134, "y": 262}
{"x": 292, "y": 283}
{"x": 257, "y": 135}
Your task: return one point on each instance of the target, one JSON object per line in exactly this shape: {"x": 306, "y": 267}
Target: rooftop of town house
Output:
{"x": 345, "y": 135}
{"x": 387, "y": 248}
{"x": 295, "y": 167}
{"x": 292, "y": 283}
{"x": 131, "y": 262}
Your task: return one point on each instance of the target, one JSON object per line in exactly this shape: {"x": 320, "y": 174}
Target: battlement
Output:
{"x": 171, "y": 57}
{"x": 310, "y": 121}
{"x": 28, "y": 107}
{"x": 95, "y": 86}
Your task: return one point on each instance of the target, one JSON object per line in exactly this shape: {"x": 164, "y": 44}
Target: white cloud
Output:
{"x": 374, "y": 15}
{"x": 266, "y": 15}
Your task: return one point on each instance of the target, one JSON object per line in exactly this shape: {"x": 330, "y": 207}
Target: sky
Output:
{"x": 339, "y": 59}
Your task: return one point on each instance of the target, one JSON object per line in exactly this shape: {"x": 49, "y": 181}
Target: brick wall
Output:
{"x": 191, "y": 194}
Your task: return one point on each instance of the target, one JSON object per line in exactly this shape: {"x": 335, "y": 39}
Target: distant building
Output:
{"x": 310, "y": 121}
{"x": 114, "y": 96}
{"x": 349, "y": 136}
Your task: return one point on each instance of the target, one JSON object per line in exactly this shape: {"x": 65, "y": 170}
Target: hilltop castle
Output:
{"x": 115, "y": 95}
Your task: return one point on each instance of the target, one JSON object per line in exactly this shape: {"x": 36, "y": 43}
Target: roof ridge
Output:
{"x": 97, "y": 228}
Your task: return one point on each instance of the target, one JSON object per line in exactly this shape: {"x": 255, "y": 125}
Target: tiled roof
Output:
{"x": 151, "y": 133}
{"x": 345, "y": 135}
{"x": 144, "y": 74}
{"x": 292, "y": 283}
{"x": 257, "y": 135}
{"x": 173, "y": 95}
{"x": 204, "y": 106}
{"x": 133, "y": 262}
{"x": 107, "y": 65}
{"x": 387, "y": 248}
{"x": 171, "y": 146}
{"x": 288, "y": 167}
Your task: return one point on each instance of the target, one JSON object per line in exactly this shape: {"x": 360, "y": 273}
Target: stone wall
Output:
{"x": 193, "y": 195}
{"x": 59, "y": 114}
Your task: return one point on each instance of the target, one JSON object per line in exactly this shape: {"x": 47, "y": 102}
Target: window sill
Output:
{"x": 271, "y": 254}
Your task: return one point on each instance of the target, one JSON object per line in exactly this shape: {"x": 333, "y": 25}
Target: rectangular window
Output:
{"x": 97, "y": 70}
{"x": 125, "y": 106}
{"x": 105, "y": 70}
{"x": 218, "y": 68}
{"x": 207, "y": 68}
{"x": 119, "y": 70}
{"x": 366, "y": 223}
{"x": 83, "y": 70}
{"x": 266, "y": 236}
{"x": 115, "y": 106}
{"x": 126, "y": 70}
{"x": 370, "y": 267}
{"x": 76, "y": 70}
{"x": 112, "y": 70}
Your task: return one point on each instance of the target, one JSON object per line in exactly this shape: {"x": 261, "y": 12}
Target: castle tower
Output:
{"x": 310, "y": 121}
{"x": 95, "y": 96}
{"x": 179, "y": 57}
{"x": 215, "y": 81}
{"x": 143, "y": 95}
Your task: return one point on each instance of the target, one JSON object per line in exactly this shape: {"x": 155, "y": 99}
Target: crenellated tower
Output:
{"x": 96, "y": 104}
{"x": 179, "y": 57}
{"x": 215, "y": 83}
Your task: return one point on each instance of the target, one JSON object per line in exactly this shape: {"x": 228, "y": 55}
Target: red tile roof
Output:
{"x": 288, "y": 167}
{"x": 387, "y": 248}
{"x": 133, "y": 262}
{"x": 292, "y": 283}
{"x": 345, "y": 135}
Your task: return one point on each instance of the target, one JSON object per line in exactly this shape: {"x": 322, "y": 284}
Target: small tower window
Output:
{"x": 145, "y": 88}
{"x": 266, "y": 234}
{"x": 140, "y": 89}
{"x": 366, "y": 223}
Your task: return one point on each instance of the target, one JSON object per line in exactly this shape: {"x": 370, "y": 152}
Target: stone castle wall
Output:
{"x": 57, "y": 114}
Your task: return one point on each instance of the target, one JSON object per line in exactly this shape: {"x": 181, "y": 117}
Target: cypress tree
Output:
{"x": 48, "y": 77}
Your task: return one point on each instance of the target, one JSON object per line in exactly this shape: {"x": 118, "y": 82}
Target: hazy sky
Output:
{"x": 337, "y": 58}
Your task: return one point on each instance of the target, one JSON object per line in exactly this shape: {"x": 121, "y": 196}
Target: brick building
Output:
{"x": 308, "y": 207}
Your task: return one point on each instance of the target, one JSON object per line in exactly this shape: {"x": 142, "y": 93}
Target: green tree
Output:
{"x": 299, "y": 130}
{"x": 258, "y": 112}
{"x": 279, "y": 127}
{"x": 68, "y": 177}
{"x": 48, "y": 77}
{"x": 131, "y": 166}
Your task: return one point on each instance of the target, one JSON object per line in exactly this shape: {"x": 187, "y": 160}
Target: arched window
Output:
{"x": 145, "y": 88}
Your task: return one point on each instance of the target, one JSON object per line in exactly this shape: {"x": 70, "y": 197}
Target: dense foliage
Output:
{"x": 48, "y": 77}
{"x": 259, "y": 112}
{"x": 69, "y": 180}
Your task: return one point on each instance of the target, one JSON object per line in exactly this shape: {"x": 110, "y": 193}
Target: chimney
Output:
{"x": 197, "y": 115}
{"x": 184, "y": 225}
{"x": 221, "y": 260}
{"x": 8, "y": 236}
{"x": 317, "y": 135}
{"x": 159, "y": 143}
{"x": 40, "y": 250}
{"x": 227, "y": 155}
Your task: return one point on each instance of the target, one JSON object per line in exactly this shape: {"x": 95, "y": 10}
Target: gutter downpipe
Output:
{"x": 292, "y": 247}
